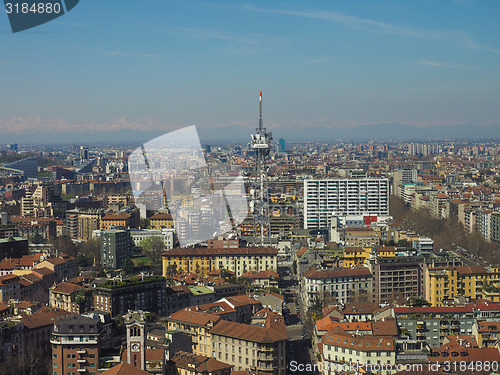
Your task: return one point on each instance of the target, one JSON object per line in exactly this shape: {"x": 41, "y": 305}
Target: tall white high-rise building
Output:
{"x": 343, "y": 196}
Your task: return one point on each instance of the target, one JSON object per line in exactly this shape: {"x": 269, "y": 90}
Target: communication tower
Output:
{"x": 259, "y": 204}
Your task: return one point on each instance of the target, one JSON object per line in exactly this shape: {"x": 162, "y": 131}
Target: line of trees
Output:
{"x": 446, "y": 233}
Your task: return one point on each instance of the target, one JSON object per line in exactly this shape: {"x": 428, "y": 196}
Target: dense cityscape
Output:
{"x": 375, "y": 258}
{"x": 214, "y": 187}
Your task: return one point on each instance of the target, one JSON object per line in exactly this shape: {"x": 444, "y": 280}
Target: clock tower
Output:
{"x": 135, "y": 321}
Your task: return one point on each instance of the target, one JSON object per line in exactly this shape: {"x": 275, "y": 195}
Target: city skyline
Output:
{"x": 386, "y": 70}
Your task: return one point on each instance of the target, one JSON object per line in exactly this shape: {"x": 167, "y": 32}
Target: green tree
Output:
{"x": 37, "y": 238}
{"x": 153, "y": 247}
{"x": 317, "y": 304}
{"x": 228, "y": 276}
{"x": 419, "y": 302}
{"x": 128, "y": 266}
{"x": 65, "y": 245}
{"x": 145, "y": 223}
{"x": 294, "y": 266}
{"x": 82, "y": 261}
{"x": 91, "y": 249}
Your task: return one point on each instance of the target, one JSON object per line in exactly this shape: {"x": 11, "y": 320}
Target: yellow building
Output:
{"x": 196, "y": 324}
{"x": 160, "y": 221}
{"x": 356, "y": 256}
{"x": 487, "y": 333}
{"x": 468, "y": 281}
{"x": 441, "y": 284}
{"x": 203, "y": 260}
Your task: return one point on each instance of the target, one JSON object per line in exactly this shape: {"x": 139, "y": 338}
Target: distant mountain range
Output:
{"x": 242, "y": 133}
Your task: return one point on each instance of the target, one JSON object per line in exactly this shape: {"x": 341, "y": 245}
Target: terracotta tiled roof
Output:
{"x": 124, "y": 369}
{"x": 488, "y": 327}
{"x": 6, "y": 264}
{"x": 111, "y": 216}
{"x": 201, "y": 363}
{"x": 55, "y": 261}
{"x": 31, "y": 277}
{"x": 250, "y": 332}
{"x": 385, "y": 327}
{"x": 161, "y": 217}
{"x": 338, "y": 337}
{"x": 28, "y": 261}
{"x": 242, "y": 300}
{"x": 67, "y": 288}
{"x": 6, "y": 279}
{"x": 190, "y": 315}
{"x": 327, "y": 310}
{"x": 471, "y": 270}
{"x": 216, "y": 308}
{"x": 453, "y": 351}
{"x": 360, "y": 308}
{"x": 43, "y": 271}
{"x": 325, "y": 324}
{"x": 45, "y": 316}
{"x": 301, "y": 252}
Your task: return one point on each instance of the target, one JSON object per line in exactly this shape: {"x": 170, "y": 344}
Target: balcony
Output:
{"x": 81, "y": 351}
{"x": 81, "y": 360}
{"x": 81, "y": 370}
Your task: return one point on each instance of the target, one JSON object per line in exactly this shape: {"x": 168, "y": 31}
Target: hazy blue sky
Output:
{"x": 158, "y": 65}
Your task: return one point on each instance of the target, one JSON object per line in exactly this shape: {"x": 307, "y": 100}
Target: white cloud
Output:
{"x": 442, "y": 64}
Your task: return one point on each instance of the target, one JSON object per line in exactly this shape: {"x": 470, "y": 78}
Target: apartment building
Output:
{"x": 166, "y": 234}
{"x": 396, "y": 278}
{"x": 160, "y": 221}
{"x": 487, "y": 333}
{"x": 196, "y": 324}
{"x": 260, "y": 346}
{"x": 343, "y": 284}
{"x": 445, "y": 283}
{"x": 122, "y": 220}
{"x": 117, "y": 297}
{"x": 201, "y": 261}
{"x": 495, "y": 228}
{"x": 69, "y": 297}
{"x": 87, "y": 223}
{"x": 10, "y": 288}
{"x": 432, "y": 324}
{"x": 364, "y": 237}
{"x": 76, "y": 345}
{"x": 11, "y": 343}
{"x": 341, "y": 347}
{"x": 333, "y": 197}
{"x": 116, "y": 248}
{"x": 64, "y": 268}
